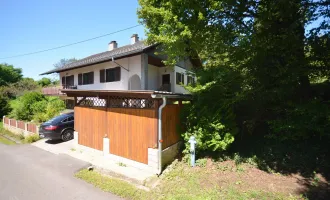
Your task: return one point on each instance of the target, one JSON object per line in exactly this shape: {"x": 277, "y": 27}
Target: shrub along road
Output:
{"x": 27, "y": 172}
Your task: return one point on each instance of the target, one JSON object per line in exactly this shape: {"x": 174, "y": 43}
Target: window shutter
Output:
{"x": 91, "y": 76}
{"x": 178, "y": 76}
{"x": 182, "y": 79}
{"x": 102, "y": 75}
{"x": 63, "y": 80}
{"x": 117, "y": 74}
{"x": 79, "y": 79}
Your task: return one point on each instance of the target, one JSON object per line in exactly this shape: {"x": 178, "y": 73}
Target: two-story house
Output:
{"x": 130, "y": 67}
{"x": 127, "y": 103}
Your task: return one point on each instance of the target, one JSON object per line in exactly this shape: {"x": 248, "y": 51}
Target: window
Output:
{"x": 68, "y": 80}
{"x": 179, "y": 78}
{"x": 110, "y": 75}
{"x": 86, "y": 78}
{"x": 190, "y": 80}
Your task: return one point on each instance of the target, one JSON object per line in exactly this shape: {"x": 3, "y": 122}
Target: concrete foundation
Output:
{"x": 168, "y": 155}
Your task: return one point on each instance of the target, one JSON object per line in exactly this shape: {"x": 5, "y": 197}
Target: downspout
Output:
{"x": 160, "y": 135}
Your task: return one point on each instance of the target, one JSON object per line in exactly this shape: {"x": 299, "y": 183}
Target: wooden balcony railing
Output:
{"x": 56, "y": 90}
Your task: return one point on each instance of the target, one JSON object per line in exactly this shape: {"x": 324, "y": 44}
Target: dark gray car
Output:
{"x": 60, "y": 127}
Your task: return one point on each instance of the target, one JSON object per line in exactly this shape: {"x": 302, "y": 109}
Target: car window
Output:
{"x": 65, "y": 120}
{"x": 70, "y": 119}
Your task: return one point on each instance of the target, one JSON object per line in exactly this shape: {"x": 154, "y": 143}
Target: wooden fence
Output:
{"x": 131, "y": 131}
{"x": 24, "y": 126}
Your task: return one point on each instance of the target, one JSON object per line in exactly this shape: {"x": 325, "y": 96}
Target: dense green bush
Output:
{"x": 210, "y": 116}
{"x": 4, "y": 104}
{"x": 35, "y": 106}
{"x": 47, "y": 109}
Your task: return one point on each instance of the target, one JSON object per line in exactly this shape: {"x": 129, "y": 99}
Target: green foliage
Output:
{"x": 45, "y": 82}
{"x": 115, "y": 186}
{"x": 201, "y": 162}
{"x": 4, "y": 104}
{"x": 259, "y": 67}
{"x": 19, "y": 88}
{"x": 31, "y": 138}
{"x": 23, "y": 106}
{"x": 34, "y": 105}
{"x": 9, "y": 74}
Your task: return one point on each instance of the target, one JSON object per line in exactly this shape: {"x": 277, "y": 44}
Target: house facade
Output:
{"x": 127, "y": 103}
{"x": 131, "y": 67}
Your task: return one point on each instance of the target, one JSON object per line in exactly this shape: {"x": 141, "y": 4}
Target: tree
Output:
{"x": 17, "y": 89}
{"x": 64, "y": 62}
{"x": 45, "y": 82}
{"x": 4, "y": 104}
{"x": 9, "y": 74}
{"x": 256, "y": 58}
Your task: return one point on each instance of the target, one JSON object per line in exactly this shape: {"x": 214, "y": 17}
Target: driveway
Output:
{"x": 27, "y": 172}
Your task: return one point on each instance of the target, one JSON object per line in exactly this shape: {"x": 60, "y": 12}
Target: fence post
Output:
{"x": 25, "y": 128}
{"x": 3, "y": 120}
{"x": 16, "y": 123}
{"x": 9, "y": 122}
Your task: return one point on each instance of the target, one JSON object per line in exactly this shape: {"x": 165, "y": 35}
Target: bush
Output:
{"x": 34, "y": 105}
{"x": 23, "y": 106}
{"x": 4, "y": 105}
{"x": 31, "y": 138}
{"x": 210, "y": 116}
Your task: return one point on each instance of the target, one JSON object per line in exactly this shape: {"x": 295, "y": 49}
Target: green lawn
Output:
{"x": 6, "y": 141}
{"x": 182, "y": 183}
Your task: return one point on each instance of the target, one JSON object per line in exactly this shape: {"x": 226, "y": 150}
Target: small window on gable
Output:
{"x": 179, "y": 78}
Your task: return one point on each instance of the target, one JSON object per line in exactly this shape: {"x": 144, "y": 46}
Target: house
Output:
{"x": 130, "y": 67}
{"x": 127, "y": 103}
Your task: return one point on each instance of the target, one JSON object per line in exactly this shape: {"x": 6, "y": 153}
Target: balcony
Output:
{"x": 56, "y": 90}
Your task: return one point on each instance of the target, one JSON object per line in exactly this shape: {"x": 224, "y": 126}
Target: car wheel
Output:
{"x": 67, "y": 135}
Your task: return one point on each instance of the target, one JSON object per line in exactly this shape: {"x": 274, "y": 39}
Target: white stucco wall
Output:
{"x": 133, "y": 64}
{"x": 166, "y": 70}
{"x": 153, "y": 76}
{"x": 180, "y": 88}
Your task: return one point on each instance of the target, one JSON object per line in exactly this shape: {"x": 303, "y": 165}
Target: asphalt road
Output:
{"x": 27, "y": 172}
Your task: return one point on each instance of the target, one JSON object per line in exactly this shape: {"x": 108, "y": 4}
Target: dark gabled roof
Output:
{"x": 119, "y": 52}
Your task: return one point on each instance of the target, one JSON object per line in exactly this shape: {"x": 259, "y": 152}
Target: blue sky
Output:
{"x": 33, "y": 25}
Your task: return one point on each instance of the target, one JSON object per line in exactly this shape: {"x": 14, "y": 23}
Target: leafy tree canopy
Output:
{"x": 261, "y": 68}
{"x": 9, "y": 74}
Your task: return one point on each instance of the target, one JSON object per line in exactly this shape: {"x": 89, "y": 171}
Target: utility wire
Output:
{"x": 59, "y": 47}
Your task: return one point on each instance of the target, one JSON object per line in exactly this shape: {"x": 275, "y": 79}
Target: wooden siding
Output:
{"x": 91, "y": 125}
{"x": 170, "y": 125}
{"x": 21, "y": 125}
{"x": 132, "y": 132}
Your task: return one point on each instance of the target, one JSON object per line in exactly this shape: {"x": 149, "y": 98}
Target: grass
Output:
{"x": 182, "y": 182}
{"x": 115, "y": 186}
{"x": 6, "y": 141}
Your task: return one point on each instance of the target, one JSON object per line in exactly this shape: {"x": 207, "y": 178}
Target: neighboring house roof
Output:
{"x": 119, "y": 52}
